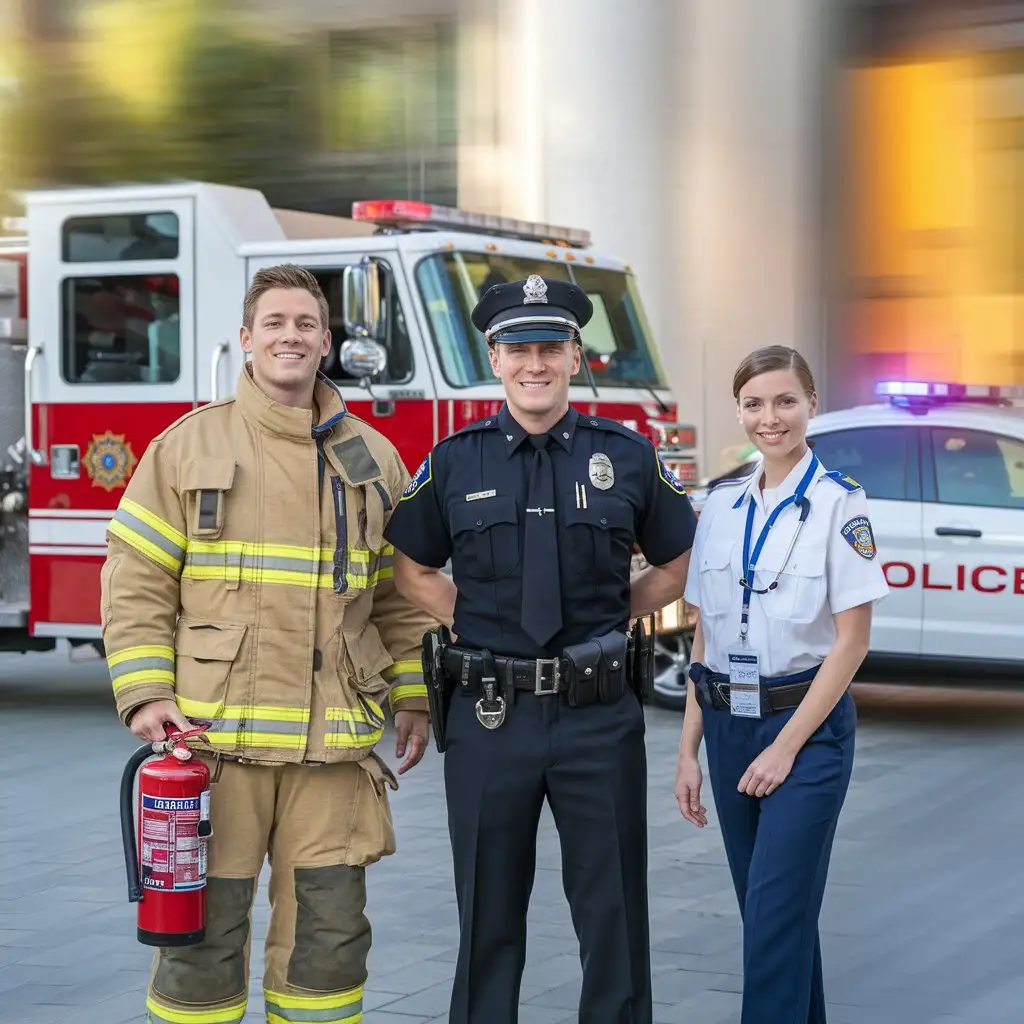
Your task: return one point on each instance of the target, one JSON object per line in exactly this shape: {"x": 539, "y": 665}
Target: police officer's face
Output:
{"x": 536, "y": 374}
{"x": 774, "y": 411}
{"x": 287, "y": 341}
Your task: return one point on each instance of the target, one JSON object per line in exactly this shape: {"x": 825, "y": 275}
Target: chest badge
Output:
{"x": 602, "y": 475}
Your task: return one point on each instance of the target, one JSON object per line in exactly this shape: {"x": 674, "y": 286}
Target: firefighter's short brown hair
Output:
{"x": 286, "y": 275}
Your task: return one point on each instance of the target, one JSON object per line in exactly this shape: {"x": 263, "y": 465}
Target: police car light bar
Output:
{"x": 409, "y": 213}
{"x": 905, "y": 391}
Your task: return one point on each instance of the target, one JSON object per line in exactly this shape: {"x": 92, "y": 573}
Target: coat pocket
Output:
{"x": 204, "y": 656}
{"x": 206, "y": 482}
{"x": 373, "y": 830}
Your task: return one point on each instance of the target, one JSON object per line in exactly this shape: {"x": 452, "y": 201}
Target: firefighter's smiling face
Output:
{"x": 287, "y": 340}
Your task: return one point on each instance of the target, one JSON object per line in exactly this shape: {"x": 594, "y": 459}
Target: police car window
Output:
{"x": 616, "y": 342}
{"x": 399, "y": 367}
{"x": 876, "y": 457}
{"x": 975, "y": 467}
{"x": 123, "y": 329}
{"x": 142, "y": 236}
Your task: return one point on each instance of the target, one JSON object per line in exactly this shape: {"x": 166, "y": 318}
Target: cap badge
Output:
{"x": 602, "y": 476}
{"x": 535, "y": 289}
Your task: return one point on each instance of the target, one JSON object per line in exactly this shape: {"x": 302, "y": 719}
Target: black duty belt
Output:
{"x": 713, "y": 687}
{"x": 543, "y": 676}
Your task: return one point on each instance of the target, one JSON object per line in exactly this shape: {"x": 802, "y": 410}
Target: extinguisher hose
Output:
{"x": 131, "y": 849}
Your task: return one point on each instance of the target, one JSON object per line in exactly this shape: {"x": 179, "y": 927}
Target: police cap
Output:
{"x": 537, "y": 309}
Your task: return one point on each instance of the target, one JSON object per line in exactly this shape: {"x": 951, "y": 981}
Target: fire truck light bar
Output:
{"x": 412, "y": 213}
{"x": 940, "y": 391}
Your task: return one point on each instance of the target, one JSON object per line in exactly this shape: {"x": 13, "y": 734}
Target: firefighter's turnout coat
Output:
{"x": 248, "y": 579}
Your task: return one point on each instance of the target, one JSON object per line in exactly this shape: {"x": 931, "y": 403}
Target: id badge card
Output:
{"x": 744, "y": 683}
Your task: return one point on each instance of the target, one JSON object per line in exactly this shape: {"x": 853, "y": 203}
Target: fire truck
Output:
{"x": 120, "y": 310}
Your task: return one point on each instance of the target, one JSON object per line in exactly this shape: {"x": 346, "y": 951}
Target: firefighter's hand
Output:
{"x": 411, "y": 735}
{"x": 148, "y": 721}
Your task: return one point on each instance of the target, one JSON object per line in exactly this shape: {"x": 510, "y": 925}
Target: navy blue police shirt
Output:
{"x": 466, "y": 502}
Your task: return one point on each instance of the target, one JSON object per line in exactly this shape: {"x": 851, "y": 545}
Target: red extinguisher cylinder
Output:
{"x": 165, "y": 845}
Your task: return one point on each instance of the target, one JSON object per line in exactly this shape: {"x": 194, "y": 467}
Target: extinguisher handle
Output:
{"x": 131, "y": 849}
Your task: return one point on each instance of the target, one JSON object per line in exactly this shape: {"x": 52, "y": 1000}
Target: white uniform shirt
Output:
{"x": 833, "y": 566}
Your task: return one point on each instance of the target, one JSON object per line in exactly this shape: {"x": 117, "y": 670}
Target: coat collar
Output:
{"x": 285, "y": 420}
{"x": 788, "y": 486}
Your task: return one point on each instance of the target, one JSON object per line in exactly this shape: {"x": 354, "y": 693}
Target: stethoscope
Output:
{"x": 798, "y": 498}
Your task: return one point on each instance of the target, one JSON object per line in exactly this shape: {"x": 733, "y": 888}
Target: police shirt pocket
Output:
{"x": 595, "y": 535}
{"x": 207, "y": 481}
{"x": 718, "y": 582}
{"x": 204, "y": 655}
{"x": 801, "y": 589}
{"x": 485, "y": 537}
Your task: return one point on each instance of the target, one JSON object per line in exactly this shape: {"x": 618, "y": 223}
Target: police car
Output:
{"x": 943, "y": 468}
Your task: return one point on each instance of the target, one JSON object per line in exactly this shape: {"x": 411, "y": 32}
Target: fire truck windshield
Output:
{"x": 616, "y": 342}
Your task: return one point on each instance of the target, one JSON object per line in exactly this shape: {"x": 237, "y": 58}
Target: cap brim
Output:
{"x": 520, "y": 334}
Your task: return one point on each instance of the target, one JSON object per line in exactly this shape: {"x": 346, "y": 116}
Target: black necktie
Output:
{"x": 542, "y": 596}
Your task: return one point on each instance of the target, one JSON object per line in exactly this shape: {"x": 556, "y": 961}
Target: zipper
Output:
{"x": 341, "y": 538}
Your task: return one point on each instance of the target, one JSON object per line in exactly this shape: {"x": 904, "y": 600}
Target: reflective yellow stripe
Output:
{"x": 402, "y": 667}
{"x": 135, "y": 666}
{"x": 354, "y": 727}
{"x": 217, "y": 709}
{"x": 285, "y": 1001}
{"x": 144, "y": 546}
{"x": 159, "y": 1014}
{"x": 407, "y": 691}
{"x": 260, "y": 725}
{"x": 270, "y": 740}
{"x": 158, "y": 524}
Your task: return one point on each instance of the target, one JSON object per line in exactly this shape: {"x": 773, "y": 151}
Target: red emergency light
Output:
{"x": 411, "y": 213}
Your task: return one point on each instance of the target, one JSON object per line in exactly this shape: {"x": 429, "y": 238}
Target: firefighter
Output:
{"x": 538, "y": 508}
{"x": 248, "y": 585}
{"x": 785, "y": 575}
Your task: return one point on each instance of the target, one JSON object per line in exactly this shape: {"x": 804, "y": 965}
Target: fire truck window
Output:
{"x": 974, "y": 467}
{"x": 399, "y": 369}
{"x": 876, "y": 457}
{"x": 121, "y": 330}
{"x": 118, "y": 237}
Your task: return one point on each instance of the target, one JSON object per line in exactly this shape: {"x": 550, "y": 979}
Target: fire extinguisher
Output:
{"x": 172, "y": 829}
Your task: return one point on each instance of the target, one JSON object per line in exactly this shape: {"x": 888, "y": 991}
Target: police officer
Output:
{"x": 785, "y": 575}
{"x": 538, "y": 508}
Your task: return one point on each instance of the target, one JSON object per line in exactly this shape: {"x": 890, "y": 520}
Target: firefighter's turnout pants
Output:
{"x": 320, "y": 825}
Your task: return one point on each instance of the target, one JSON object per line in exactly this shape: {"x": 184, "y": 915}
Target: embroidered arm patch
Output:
{"x": 857, "y": 533}
{"x": 420, "y": 477}
{"x": 669, "y": 477}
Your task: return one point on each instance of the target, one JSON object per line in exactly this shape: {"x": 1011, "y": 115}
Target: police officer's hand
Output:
{"x": 148, "y": 721}
{"x": 411, "y": 734}
{"x": 688, "y": 781}
{"x": 767, "y": 772}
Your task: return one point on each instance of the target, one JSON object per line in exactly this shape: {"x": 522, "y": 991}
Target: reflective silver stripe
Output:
{"x": 258, "y": 725}
{"x": 140, "y": 664}
{"x": 129, "y": 521}
{"x": 352, "y": 727}
{"x": 252, "y": 561}
{"x": 297, "y": 1015}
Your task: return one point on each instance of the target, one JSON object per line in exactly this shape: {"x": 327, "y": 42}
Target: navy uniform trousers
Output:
{"x": 591, "y": 764}
{"x": 778, "y": 849}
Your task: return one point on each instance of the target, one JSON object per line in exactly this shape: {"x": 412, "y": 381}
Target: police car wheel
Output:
{"x": 671, "y": 663}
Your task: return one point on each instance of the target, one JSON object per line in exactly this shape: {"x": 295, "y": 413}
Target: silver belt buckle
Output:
{"x": 556, "y": 677}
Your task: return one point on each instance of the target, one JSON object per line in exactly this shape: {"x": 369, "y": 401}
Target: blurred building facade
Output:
{"x": 840, "y": 177}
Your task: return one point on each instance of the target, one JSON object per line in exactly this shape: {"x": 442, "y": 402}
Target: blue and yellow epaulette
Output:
{"x": 843, "y": 480}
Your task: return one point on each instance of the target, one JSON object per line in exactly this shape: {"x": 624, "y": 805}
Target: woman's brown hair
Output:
{"x": 773, "y": 357}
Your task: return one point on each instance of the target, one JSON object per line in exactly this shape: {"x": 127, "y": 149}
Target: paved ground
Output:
{"x": 922, "y": 921}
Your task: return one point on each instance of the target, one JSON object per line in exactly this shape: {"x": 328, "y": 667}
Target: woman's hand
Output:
{"x": 768, "y": 771}
{"x": 688, "y": 782}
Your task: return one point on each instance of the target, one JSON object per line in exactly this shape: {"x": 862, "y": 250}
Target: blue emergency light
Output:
{"x": 919, "y": 393}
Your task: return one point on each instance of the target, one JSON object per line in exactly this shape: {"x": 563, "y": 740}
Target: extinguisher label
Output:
{"x": 173, "y": 856}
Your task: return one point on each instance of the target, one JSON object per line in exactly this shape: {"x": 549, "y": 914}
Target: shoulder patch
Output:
{"x": 669, "y": 477}
{"x": 843, "y": 480}
{"x": 858, "y": 534}
{"x": 420, "y": 477}
{"x": 603, "y": 423}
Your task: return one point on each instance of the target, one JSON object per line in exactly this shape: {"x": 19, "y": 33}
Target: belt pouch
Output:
{"x": 584, "y": 673}
{"x": 611, "y": 679}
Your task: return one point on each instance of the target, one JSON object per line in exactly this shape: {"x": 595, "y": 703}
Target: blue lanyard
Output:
{"x": 750, "y": 561}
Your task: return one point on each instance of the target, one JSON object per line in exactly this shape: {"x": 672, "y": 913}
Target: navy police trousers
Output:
{"x": 778, "y": 848}
{"x": 591, "y": 765}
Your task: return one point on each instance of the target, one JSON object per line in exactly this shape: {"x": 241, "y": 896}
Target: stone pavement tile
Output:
{"x": 428, "y": 1002}
{"x": 675, "y": 986}
{"x": 707, "y": 1007}
{"x": 411, "y": 978}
